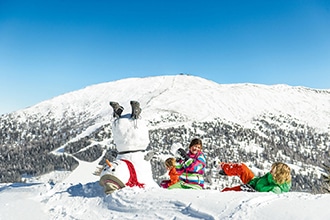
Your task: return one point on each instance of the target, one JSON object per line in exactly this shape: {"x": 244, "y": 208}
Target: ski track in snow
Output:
{"x": 250, "y": 205}
{"x": 139, "y": 204}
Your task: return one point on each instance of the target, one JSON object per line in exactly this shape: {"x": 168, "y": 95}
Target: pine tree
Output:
{"x": 326, "y": 178}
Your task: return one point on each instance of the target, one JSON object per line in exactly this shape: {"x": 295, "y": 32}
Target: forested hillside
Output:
{"x": 26, "y": 147}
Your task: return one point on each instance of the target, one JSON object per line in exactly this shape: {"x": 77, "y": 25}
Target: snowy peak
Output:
{"x": 193, "y": 98}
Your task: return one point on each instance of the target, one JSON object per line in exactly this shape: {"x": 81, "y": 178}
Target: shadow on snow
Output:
{"x": 88, "y": 190}
{"x": 17, "y": 185}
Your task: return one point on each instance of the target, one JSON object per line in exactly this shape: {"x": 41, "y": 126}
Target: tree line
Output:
{"x": 27, "y": 146}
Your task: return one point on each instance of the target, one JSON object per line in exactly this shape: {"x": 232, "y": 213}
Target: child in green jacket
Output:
{"x": 278, "y": 180}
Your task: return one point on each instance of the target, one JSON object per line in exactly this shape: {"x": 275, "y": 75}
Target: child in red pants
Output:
{"x": 278, "y": 180}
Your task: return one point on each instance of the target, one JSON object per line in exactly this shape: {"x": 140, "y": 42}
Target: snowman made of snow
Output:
{"x": 130, "y": 168}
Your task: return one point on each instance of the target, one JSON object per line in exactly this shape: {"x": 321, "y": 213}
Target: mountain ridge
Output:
{"x": 254, "y": 123}
{"x": 234, "y": 102}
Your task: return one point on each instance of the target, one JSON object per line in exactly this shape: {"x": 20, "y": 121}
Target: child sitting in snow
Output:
{"x": 191, "y": 166}
{"x": 278, "y": 180}
{"x": 174, "y": 175}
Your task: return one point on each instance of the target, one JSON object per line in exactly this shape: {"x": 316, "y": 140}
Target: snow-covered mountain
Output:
{"x": 256, "y": 124}
{"x": 194, "y": 98}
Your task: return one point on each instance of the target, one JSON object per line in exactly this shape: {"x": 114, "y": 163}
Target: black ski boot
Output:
{"x": 136, "y": 110}
{"x": 117, "y": 109}
{"x": 247, "y": 188}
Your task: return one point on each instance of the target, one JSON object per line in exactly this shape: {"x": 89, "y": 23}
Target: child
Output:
{"x": 174, "y": 175}
{"x": 278, "y": 180}
{"x": 191, "y": 167}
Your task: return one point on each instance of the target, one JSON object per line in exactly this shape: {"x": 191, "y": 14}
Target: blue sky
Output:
{"x": 48, "y": 48}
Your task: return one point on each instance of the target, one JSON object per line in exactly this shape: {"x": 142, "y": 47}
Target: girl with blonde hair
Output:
{"x": 174, "y": 175}
{"x": 277, "y": 180}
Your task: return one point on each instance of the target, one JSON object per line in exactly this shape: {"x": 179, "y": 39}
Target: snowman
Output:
{"x": 131, "y": 168}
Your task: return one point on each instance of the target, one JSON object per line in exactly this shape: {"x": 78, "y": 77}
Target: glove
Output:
{"x": 183, "y": 154}
{"x": 114, "y": 153}
{"x": 149, "y": 155}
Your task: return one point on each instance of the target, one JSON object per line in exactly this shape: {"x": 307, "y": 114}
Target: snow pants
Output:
{"x": 165, "y": 184}
{"x": 237, "y": 169}
{"x": 182, "y": 185}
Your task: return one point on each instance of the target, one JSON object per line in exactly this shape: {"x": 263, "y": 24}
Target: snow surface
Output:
{"x": 79, "y": 196}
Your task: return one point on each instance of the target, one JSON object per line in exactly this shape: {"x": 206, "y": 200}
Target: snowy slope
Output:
{"x": 195, "y": 98}
{"x": 68, "y": 198}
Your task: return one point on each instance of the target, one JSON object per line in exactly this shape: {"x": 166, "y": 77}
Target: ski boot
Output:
{"x": 136, "y": 110}
{"x": 247, "y": 188}
{"x": 117, "y": 109}
{"x": 219, "y": 168}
